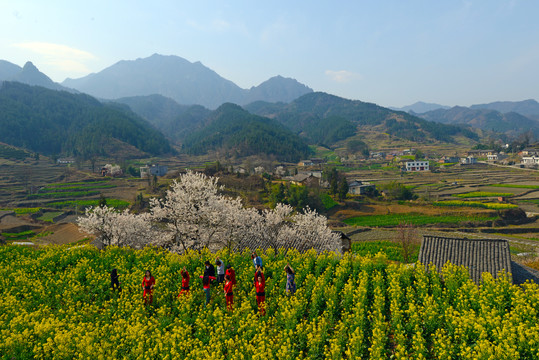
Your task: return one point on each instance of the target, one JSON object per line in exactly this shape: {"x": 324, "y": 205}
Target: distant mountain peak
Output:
{"x": 185, "y": 82}
{"x": 420, "y": 107}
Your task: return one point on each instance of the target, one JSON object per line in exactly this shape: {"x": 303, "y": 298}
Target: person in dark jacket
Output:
{"x": 114, "y": 281}
{"x": 209, "y": 269}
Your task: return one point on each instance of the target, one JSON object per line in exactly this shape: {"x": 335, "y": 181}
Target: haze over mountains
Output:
{"x": 508, "y": 117}
{"x": 185, "y": 82}
{"x": 198, "y": 111}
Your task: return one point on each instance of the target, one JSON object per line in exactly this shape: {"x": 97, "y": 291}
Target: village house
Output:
{"x": 65, "y": 161}
{"x": 421, "y": 165}
{"x": 468, "y": 160}
{"x": 358, "y": 187}
{"x": 529, "y": 152}
{"x": 306, "y": 163}
{"x": 378, "y": 155}
{"x": 496, "y": 157}
{"x": 153, "y": 170}
{"x": 239, "y": 170}
{"x": 449, "y": 159}
{"x": 530, "y": 160}
{"x": 305, "y": 179}
{"x": 480, "y": 153}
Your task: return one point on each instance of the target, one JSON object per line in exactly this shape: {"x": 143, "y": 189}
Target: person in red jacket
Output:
{"x": 148, "y": 282}
{"x": 259, "y": 272}
{"x": 260, "y": 286}
{"x": 185, "y": 282}
{"x": 229, "y": 296}
{"x": 206, "y": 285}
{"x": 231, "y": 273}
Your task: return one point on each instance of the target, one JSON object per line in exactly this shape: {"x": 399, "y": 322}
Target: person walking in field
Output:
{"x": 290, "y": 280}
{"x": 231, "y": 273}
{"x": 229, "y": 295}
{"x": 148, "y": 283}
{"x": 206, "y": 286}
{"x": 220, "y": 270}
{"x": 260, "y": 287}
{"x": 257, "y": 260}
{"x": 114, "y": 280}
{"x": 185, "y": 282}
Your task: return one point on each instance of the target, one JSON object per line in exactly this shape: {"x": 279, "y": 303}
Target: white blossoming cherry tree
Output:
{"x": 119, "y": 228}
{"x": 195, "y": 214}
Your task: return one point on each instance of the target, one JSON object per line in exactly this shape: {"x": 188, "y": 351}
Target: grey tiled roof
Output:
{"x": 478, "y": 255}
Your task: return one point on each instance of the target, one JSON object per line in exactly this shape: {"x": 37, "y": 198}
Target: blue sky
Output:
{"x": 392, "y": 53}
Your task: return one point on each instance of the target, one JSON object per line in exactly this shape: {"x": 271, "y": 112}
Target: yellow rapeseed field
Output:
{"x": 56, "y": 303}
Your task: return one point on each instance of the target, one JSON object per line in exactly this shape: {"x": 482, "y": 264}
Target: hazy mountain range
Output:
{"x": 508, "y": 117}
{"x": 185, "y": 82}
{"x": 147, "y": 103}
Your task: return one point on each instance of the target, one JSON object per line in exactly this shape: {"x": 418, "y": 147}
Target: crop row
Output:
{"x": 475, "y": 204}
{"x": 474, "y": 194}
{"x": 57, "y": 195}
{"x": 414, "y": 219}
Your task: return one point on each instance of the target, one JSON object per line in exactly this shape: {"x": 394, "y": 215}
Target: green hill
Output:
{"x": 308, "y": 110}
{"x": 58, "y": 122}
{"x": 236, "y": 131}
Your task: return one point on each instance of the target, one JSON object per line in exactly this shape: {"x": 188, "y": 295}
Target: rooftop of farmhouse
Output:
{"x": 477, "y": 255}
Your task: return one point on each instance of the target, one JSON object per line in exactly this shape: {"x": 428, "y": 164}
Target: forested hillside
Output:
{"x": 57, "y": 122}
{"x": 314, "y": 106}
{"x": 235, "y": 130}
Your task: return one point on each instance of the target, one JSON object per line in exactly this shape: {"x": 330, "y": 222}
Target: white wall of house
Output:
{"x": 422, "y": 165}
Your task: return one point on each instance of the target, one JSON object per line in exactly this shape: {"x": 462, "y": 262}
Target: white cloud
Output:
{"x": 342, "y": 76}
{"x": 58, "y": 56}
{"x": 55, "y": 50}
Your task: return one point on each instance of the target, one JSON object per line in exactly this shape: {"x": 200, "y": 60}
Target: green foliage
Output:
{"x": 391, "y": 220}
{"x": 328, "y": 201}
{"x": 23, "y": 211}
{"x": 326, "y": 131}
{"x": 475, "y": 194}
{"x": 391, "y": 249}
{"x": 58, "y": 122}
{"x": 475, "y": 204}
{"x": 23, "y": 235}
{"x": 343, "y": 188}
{"x": 297, "y": 196}
{"x": 234, "y": 130}
{"x": 397, "y": 191}
{"x": 358, "y": 146}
